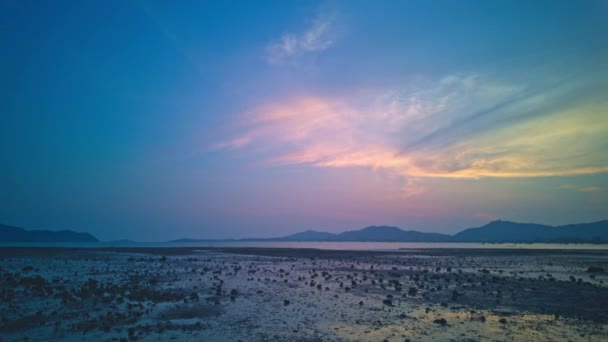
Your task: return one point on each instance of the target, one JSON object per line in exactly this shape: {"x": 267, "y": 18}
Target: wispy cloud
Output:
{"x": 290, "y": 47}
{"x": 485, "y": 216}
{"x": 397, "y": 130}
{"x": 589, "y": 188}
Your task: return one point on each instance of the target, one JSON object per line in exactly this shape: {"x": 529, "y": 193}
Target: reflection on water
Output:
{"x": 420, "y": 325}
{"x": 391, "y": 246}
{"x": 355, "y": 246}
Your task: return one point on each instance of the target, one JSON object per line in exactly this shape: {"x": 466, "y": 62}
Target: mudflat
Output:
{"x": 282, "y": 294}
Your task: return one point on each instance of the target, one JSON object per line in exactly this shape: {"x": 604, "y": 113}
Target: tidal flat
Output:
{"x": 274, "y": 294}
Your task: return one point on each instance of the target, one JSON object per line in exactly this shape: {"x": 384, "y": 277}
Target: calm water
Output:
{"x": 378, "y": 246}
{"x": 357, "y": 246}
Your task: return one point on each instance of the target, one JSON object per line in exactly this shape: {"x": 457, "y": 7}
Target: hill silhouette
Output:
{"x": 506, "y": 231}
{"x": 495, "y": 231}
{"x": 372, "y": 234}
{"x": 16, "y": 234}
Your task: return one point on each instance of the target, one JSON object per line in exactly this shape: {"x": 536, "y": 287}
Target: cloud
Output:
{"x": 485, "y": 216}
{"x": 590, "y": 189}
{"x": 291, "y": 47}
{"x": 486, "y": 128}
{"x": 580, "y": 188}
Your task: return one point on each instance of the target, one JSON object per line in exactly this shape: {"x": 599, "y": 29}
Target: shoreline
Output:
{"x": 7, "y": 251}
{"x": 286, "y": 294}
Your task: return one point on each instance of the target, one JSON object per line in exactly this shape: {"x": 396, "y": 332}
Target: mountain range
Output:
{"x": 493, "y": 232}
{"x": 372, "y": 234}
{"x": 505, "y": 231}
{"x": 16, "y": 234}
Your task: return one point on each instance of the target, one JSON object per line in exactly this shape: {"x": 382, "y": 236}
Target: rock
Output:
{"x": 286, "y": 302}
{"x": 440, "y": 321}
{"x": 593, "y": 269}
{"x": 502, "y": 321}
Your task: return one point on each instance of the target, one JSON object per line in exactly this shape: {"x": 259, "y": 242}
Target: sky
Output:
{"x": 157, "y": 120}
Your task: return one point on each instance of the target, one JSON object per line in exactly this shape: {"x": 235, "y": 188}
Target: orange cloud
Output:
{"x": 371, "y": 131}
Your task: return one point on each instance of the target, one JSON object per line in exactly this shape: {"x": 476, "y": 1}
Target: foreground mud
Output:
{"x": 247, "y": 294}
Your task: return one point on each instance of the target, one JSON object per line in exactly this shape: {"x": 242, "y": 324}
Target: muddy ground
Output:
{"x": 255, "y": 294}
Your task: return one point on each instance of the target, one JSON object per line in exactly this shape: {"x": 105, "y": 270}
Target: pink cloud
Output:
{"x": 485, "y": 216}
{"x": 370, "y": 129}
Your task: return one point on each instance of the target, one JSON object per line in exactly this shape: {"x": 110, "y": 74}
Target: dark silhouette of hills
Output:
{"x": 388, "y": 233}
{"x": 371, "y": 234}
{"x": 16, "y": 234}
{"x": 189, "y": 240}
{"x": 311, "y": 235}
{"x": 493, "y": 232}
{"x": 506, "y": 231}
{"x": 496, "y": 231}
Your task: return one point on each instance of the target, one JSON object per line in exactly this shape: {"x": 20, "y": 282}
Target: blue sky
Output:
{"x": 155, "y": 120}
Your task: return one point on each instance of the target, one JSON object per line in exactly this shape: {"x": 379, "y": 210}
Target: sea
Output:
{"x": 354, "y": 246}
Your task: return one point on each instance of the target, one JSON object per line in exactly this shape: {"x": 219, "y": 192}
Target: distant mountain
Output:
{"x": 388, "y": 233}
{"x": 369, "y": 234}
{"x": 505, "y": 231}
{"x": 187, "y": 240}
{"x": 493, "y": 232}
{"x": 16, "y": 234}
{"x": 310, "y": 235}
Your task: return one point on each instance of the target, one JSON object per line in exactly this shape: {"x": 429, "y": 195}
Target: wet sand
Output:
{"x": 279, "y": 294}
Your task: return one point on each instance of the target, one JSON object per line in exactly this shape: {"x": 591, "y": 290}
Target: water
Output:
{"x": 383, "y": 246}
{"x": 355, "y": 246}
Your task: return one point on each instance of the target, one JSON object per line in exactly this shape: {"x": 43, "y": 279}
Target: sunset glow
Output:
{"x": 263, "y": 119}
